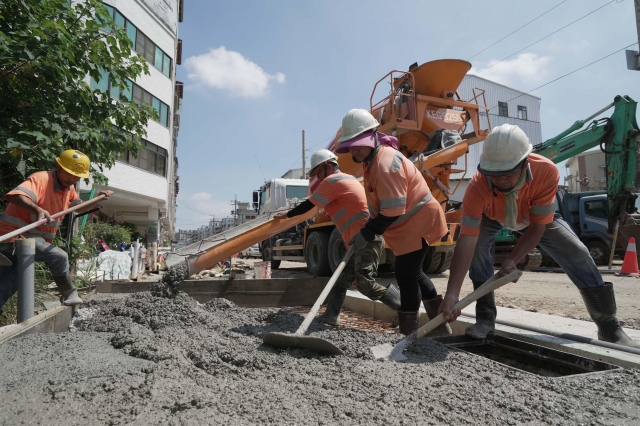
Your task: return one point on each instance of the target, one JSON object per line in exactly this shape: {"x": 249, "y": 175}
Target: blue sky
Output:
{"x": 257, "y": 73}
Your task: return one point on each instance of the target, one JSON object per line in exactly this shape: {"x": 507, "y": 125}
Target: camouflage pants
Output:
{"x": 362, "y": 269}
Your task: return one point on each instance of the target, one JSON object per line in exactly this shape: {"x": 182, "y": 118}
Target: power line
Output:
{"x": 547, "y": 36}
{"x": 193, "y": 209}
{"x": 569, "y": 73}
{"x": 513, "y": 32}
{"x": 323, "y": 141}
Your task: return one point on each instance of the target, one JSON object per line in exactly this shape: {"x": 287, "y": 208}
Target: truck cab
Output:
{"x": 587, "y": 213}
{"x": 278, "y": 193}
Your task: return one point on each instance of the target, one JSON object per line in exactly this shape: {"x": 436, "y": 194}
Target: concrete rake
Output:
{"x": 298, "y": 339}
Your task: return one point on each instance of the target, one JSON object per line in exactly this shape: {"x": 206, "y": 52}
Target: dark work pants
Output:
{"x": 414, "y": 284}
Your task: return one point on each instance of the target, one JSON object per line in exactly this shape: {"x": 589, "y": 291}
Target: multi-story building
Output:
{"x": 145, "y": 186}
{"x": 506, "y": 106}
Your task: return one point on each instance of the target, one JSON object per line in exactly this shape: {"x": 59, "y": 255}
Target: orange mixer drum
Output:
{"x": 436, "y": 79}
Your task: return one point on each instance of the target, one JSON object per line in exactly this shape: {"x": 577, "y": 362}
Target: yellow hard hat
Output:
{"x": 75, "y": 163}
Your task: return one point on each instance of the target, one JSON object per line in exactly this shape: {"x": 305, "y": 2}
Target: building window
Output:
{"x": 522, "y": 112}
{"x": 151, "y": 158}
{"x": 133, "y": 93}
{"x": 503, "y": 109}
{"x": 142, "y": 44}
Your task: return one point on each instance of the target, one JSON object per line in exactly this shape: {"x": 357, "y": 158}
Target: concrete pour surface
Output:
{"x": 142, "y": 359}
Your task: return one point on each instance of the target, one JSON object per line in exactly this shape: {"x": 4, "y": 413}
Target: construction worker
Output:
{"x": 401, "y": 209}
{"x": 344, "y": 201}
{"x": 40, "y": 196}
{"x": 516, "y": 189}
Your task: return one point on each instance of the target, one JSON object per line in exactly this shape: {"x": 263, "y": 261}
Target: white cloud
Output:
{"x": 525, "y": 68}
{"x": 228, "y": 70}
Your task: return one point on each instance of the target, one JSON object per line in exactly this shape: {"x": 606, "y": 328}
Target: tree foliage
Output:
{"x": 48, "y": 51}
{"x": 112, "y": 234}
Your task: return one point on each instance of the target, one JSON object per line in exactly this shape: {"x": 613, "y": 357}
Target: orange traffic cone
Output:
{"x": 630, "y": 262}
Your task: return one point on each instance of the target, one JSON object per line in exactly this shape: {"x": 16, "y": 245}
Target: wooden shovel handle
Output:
{"x": 490, "y": 285}
{"x": 327, "y": 288}
{"x": 24, "y": 229}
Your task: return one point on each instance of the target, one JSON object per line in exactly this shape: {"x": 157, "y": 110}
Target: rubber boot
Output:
{"x": 431, "y": 306}
{"x": 335, "y": 300}
{"x": 408, "y": 321}
{"x": 391, "y": 297}
{"x": 601, "y": 305}
{"x": 485, "y": 315}
{"x": 67, "y": 291}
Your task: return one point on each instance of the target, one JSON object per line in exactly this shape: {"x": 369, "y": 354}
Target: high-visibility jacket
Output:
{"x": 395, "y": 187}
{"x": 45, "y": 191}
{"x": 536, "y": 199}
{"x": 343, "y": 199}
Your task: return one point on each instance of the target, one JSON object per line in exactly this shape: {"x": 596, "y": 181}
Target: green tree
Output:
{"x": 48, "y": 48}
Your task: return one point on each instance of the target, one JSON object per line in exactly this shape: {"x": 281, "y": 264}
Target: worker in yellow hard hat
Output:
{"x": 44, "y": 194}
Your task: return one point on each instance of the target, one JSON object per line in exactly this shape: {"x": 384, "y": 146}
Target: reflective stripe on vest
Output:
{"x": 470, "y": 221}
{"x": 336, "y": 178}
{"x": 319, "y": 198}
{"x": 27, "y": 191}
{"x": 393, "y": 202}
{"x": 336, "y": 217}
{"x": 353, "y": 219}
{"x": 543, "y": 210}
{"x": 35, "y": 232}
{"x": 413, "y": 210}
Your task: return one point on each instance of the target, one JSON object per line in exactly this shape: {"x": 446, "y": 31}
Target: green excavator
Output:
{"x": 618, "y": 137}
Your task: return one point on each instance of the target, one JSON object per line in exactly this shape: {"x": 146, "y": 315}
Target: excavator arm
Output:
{"x": 617, "y": 137}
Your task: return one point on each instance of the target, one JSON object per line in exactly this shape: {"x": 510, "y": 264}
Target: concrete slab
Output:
{"x": 54, "y": 320}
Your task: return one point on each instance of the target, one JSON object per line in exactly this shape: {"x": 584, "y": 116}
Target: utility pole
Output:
{"x": 304, "y": 164}
{"x": 633, "y": 56}
{"x": 234, "y": 202}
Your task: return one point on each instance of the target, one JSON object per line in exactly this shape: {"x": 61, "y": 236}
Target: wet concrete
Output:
{"x": 142, "y": 359}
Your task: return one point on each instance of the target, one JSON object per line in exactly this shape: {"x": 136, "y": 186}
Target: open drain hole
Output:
{"x": 527, "y": 357}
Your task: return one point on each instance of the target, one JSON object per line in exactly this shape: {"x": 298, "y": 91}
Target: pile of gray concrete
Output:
{"x": 144, "y": 359}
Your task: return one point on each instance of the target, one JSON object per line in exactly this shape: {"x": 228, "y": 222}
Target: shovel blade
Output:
{"x": 287, "y": 341}
{"x": 387, "y": 352}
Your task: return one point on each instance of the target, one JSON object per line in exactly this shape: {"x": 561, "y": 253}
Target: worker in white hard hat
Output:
{"x": 40, "y": 196}
{"x": 402, "y": 210}
{"x": 516, "y": 189}
{"x": 343, "y": 199}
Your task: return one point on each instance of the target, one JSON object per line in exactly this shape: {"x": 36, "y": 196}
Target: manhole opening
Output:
{"x": 527, "y": 357}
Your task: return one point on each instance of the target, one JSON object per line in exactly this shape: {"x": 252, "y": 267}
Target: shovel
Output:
{"x": 24, "y": 229}
{"x": 298, "y": 339}
{"x": 394, "y": 353}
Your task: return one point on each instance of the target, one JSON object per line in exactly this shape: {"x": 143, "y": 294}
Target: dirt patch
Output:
{"x": 149, "y": 360}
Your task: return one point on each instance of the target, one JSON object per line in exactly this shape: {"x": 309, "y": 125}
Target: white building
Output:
{"x": 506, "y": 105}
{"x": 587, "y": 172}
{"x": 145, "y": 187}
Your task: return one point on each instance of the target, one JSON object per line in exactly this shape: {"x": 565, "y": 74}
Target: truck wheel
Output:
{"x": 316, "y": 254}
{"x": 599, "y": 252}
{"x": 337, "y": 249}
{"x": 436, "y": 262}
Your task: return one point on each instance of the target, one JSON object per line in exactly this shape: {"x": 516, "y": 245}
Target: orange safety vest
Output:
{"x": 344, "y": 200}
{"x": 44, "y": 190}
{"x": 536, "y": 199}
{"x": 395, "y": 187}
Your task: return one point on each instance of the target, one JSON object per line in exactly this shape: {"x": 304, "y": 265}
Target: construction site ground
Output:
{"x": 141, "y": 359}
{"x": 543, "y": 292}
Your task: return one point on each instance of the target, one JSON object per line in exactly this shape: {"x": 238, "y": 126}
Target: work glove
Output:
{"x": 358, "y": 241}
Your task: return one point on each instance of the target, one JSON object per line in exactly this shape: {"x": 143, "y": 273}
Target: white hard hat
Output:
{"x": 356, "y": 122}
{"x": 320, "y": 157}
{"x": 504, "y": 149}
